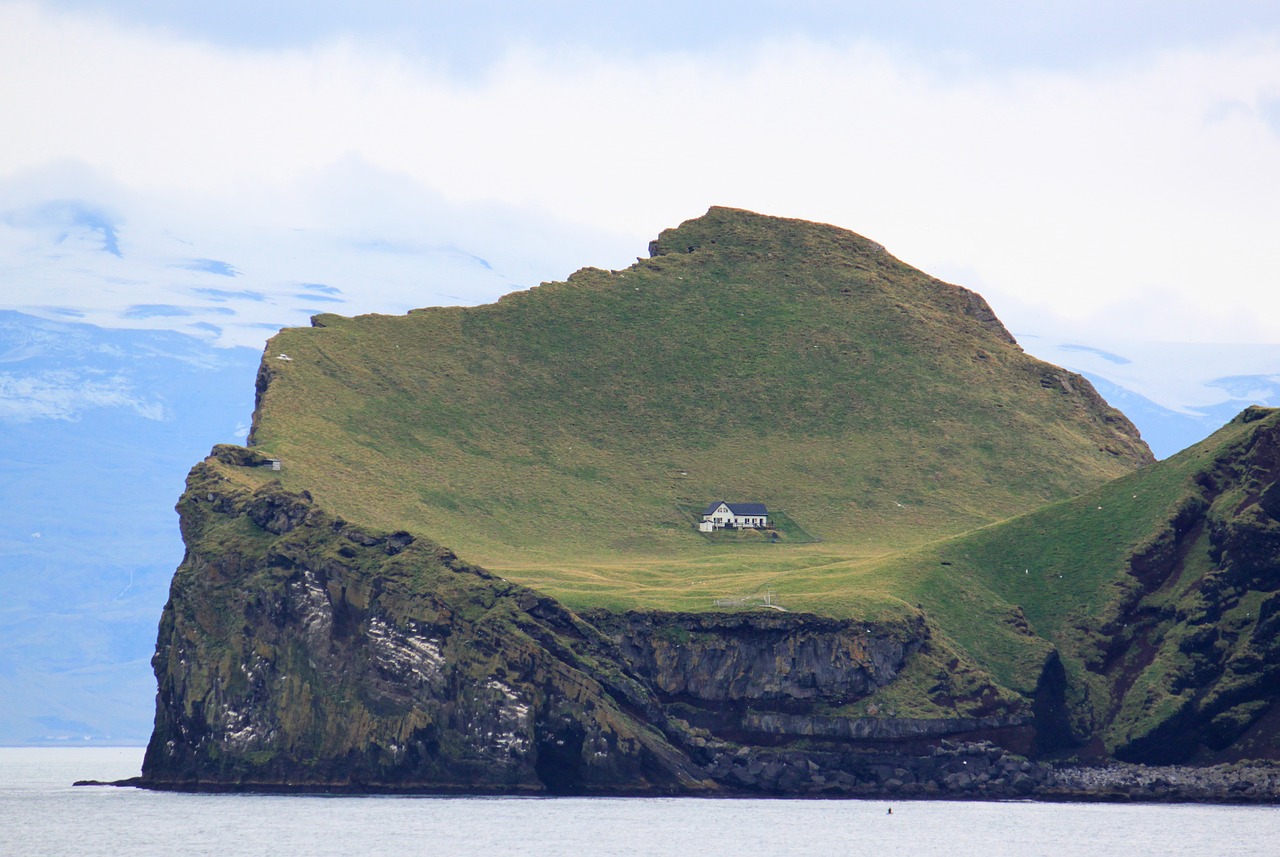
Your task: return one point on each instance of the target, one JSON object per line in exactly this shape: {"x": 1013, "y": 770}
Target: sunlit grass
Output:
{"x": 561, "y": 436}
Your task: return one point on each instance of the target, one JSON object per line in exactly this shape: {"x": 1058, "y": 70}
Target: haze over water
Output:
{"x": 41, "y": 814}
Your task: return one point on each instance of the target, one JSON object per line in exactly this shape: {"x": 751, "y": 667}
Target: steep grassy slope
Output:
{"x": 562, "y": 436}
{"x": 1157, "y": 588}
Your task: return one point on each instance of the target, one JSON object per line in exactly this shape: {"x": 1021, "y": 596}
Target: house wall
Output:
{"x": 721, "y": 517}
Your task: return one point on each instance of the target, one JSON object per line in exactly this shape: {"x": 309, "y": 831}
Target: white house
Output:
{"x": 738, "y": 515}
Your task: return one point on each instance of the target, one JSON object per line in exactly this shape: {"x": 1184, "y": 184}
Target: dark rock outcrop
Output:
{"x": 773, "y": 678}
{"x": 958, "y": 770}
{"x": 761, "y": 657}
{"x": 1191, "y": 649}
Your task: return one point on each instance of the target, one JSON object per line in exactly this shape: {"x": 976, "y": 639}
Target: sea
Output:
{"x": 42, "y": 815}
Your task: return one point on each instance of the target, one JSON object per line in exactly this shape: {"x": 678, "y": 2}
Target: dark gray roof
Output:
{"x": 739, "y": 508}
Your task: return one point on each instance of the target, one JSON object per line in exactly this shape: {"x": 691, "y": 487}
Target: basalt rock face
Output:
{"x": 1192, "y": 649}
{"x": 301, "y": 652}
{"x": 776, "y": 679}
{"x": 298, "y": 651}
{"x": 760, "y": 658}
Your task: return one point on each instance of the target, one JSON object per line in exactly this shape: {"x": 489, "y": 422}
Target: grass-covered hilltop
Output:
{"x": 565, "y": 436}
{"x": 478, "y": 567}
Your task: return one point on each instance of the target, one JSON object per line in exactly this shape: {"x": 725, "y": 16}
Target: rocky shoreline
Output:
{"x": 978, "y": 771}
{"x": 952, "y": 771}
{"x": 1255, "y": 782}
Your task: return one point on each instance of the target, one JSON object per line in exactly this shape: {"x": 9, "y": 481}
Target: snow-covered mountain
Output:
{"x": 1177, "y": 393}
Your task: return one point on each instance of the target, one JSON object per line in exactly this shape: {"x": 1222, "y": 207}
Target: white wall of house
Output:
{"x": 721, "y": 516}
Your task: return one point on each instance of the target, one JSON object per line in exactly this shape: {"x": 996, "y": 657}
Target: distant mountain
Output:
{"x": 99, "y": 428}
{"x": 119, "y": 259}
{"x": 1165, "y": 430}
{"x": 1176, "y": 393}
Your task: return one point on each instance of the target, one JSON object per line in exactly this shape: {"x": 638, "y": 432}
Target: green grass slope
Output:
{"x": 560, "y": 435}
{"x": 1156, "y": 588}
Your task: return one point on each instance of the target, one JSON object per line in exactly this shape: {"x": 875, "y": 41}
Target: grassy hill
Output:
{"x": 560, "y": 435}
{"x": 1158, "y": 589}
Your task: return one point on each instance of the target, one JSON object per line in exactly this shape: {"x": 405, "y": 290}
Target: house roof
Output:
{"x": 739, "y": 508}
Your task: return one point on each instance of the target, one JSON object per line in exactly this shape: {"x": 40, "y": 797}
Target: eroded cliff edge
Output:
{"x": 298, "y": 651}
{"x": 301, "y": 652}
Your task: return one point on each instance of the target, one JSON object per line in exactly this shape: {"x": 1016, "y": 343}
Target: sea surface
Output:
{"x": 41, "y": 814}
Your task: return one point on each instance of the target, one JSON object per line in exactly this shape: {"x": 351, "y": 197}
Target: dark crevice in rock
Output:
{"x": 1049, "y": 709}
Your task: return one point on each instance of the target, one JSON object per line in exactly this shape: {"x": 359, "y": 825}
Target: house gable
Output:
{"x": 721, "y": 514}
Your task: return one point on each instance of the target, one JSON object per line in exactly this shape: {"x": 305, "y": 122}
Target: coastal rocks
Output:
{"x": 985, "y": 771}
{"x": 968, "y": 770}
{"x": 1258, "y": 782}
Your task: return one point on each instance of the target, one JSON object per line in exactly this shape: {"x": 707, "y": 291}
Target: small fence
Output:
{"x": 768, "y": 598}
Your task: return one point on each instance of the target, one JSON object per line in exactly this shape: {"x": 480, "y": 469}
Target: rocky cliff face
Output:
{"x": 777, "y": 679}
{"x": 1191, "y": 650}
{"x": 298, "y": 651}
{"x": 761, "y": 658}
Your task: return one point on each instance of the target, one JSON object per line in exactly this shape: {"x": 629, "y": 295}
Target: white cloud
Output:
{"x": 1183, "y": 377}
{"x": 1135, "y": 200}
{"x": 349, "y": 239}
{"x": 467, "y": 37}
{"x": 67, "y": 394}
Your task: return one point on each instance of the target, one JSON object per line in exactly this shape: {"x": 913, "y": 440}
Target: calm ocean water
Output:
{"x": 41, "y": 814}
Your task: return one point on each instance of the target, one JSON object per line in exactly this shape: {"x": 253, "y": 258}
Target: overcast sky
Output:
{"x": 1101, "y": 171}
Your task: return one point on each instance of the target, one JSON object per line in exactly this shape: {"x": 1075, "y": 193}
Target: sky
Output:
{"x": 1105, "y": 173}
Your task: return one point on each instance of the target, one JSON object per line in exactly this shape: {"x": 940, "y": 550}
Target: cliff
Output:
{"x": 1190, "y": 647}
{"x": 300, "y": 652}
{"x": 1158, "y": 591}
